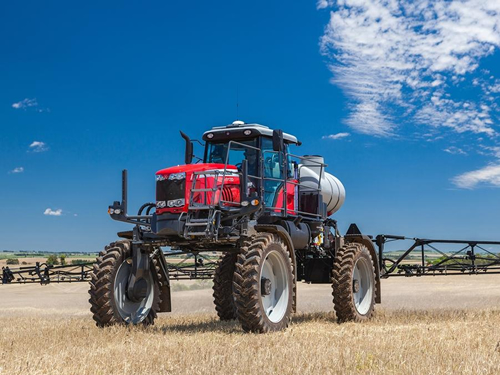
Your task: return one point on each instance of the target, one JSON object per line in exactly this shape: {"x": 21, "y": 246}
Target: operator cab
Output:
{"x": 232, "y": 144}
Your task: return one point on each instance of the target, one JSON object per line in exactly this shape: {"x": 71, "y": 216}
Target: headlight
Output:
{"x": 160, "y": 177}
{"x": 177, "y": 176}
{"x": 176, "y": 203}
{"x": 161, "y": 204}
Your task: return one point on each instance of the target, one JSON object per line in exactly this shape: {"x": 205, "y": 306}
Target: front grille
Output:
{"x": 167, "y": 190}
{"x": 230, "y": 193}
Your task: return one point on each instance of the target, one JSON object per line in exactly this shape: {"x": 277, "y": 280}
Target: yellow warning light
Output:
{"x": 255, "y": 202}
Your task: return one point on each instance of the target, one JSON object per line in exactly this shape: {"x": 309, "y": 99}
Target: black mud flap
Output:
{"x": 166, "y": 301}
{"x": 165, "y": 297}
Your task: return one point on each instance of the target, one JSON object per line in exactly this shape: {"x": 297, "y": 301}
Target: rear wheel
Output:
{"x": 263, "y": 284}
{"x": 223, "y": 287}
{"x": 108, "y": 289}
{"x": 353, "y": 283}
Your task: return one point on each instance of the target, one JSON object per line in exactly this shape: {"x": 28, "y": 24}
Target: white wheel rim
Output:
{"x": 275, "y": 304}
{"x": 131, "y": 312}
{"x": 363, "y": 293}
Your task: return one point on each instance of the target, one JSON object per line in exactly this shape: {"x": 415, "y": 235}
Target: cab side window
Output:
{"x": 273, "y": 172}
{"x": 271, "y": 160}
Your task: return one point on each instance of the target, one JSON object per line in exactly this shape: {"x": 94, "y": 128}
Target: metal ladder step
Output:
{"x": 197, "y": 224}
{"x": 200, "y": 220}
{"x": 199, "y": 208}
{"x": 196, "y": 233}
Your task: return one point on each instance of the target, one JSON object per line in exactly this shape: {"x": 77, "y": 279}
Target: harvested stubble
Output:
{"x": 438, "y": 342}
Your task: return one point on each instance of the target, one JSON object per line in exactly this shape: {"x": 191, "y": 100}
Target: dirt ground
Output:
{"x": 440, "y": 292}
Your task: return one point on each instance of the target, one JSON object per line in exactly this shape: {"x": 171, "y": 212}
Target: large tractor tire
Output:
{"x": 223, "y": 287}
{"x": 263, "y": 284}
{"x": 108, "y": 289}
{"x": 353, "y": 283}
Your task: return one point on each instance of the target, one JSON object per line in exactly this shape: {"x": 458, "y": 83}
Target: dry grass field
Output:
{"x": 441, "y": 325}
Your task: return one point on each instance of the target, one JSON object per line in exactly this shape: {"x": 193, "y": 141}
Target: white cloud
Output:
{"x": 495, "y": 151}
{"x": 336, "y": 136}
{"x": 489, "y": 175}
{"x": 25, "y": 103}
{"x": 397, "y": 60}
{"x": 404, "y": 63}
{"x": 51, "y": 212}
{"x": 31, "y": 104}
{"x": 37, "y": 146}
{"x": 17, "y": 170}
{"x": 455, "y": 151}
{"x": 486, "y": 176}
{"x": 322, "y": 4}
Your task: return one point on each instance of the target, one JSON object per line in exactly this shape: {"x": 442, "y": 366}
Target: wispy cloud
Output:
{"x": 486, "y": 176}
{"x": 28, "y": 103}
{"x": 25, "y": 103}
{"x": 489, "y": 175}
{"x": 336, "y": 136}
{"x": 37, "y": 146}
{"x": 17, "y": 170}
{"x": 397, "y": 59}
{"x": 455, "y": 151}
{"x": 51, "y": 212}
{"x": 322, "y": 4}
{"x": 406, "y": 64}
{"x": 491, "y": 151}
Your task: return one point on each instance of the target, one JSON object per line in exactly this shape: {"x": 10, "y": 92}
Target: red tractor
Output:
{"x": 266, "y": 210}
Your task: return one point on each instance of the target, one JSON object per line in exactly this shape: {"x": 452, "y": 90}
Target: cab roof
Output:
{"x": 241, "y": 130}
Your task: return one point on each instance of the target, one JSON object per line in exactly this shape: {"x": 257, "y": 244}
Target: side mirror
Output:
{"x": 188, "y": 156}
{"x": 278, "y": 143}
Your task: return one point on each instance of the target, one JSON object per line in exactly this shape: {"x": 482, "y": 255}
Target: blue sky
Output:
{"x": 402, "y": 100}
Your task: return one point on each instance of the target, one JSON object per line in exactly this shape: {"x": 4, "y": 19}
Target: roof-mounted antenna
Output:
{"x": 237, "y": 101}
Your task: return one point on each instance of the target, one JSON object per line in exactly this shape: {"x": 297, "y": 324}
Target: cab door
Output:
{"x": 274, "y": 181}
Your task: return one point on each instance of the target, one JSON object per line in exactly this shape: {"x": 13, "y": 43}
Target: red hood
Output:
{"x": 189, "y": 168}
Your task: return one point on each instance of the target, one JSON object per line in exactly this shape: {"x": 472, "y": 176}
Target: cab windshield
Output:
{"x": 240, "y": 150}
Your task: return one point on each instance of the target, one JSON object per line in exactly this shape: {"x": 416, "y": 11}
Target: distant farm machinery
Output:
{"x": 424, "y": 257}
{"x": 181, "y": 266}
{"x": 44, "y": 273}
{"x": 431, "y": 257}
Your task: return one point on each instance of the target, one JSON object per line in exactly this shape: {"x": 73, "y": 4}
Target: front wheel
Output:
{"x": 263, "y": 284}
{"x": 353, "y": 283}
{"x": 108, "y": 289}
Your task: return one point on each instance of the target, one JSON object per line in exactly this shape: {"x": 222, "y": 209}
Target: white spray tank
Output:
{"x": 312, "y": 171}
